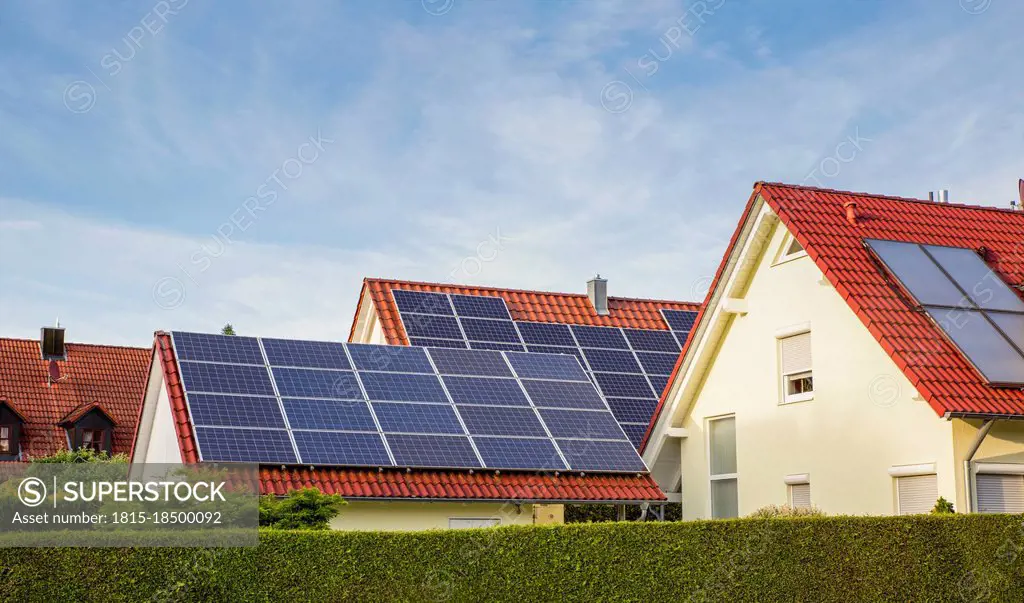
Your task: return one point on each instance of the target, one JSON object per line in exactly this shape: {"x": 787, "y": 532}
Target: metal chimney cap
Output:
{"x": 597, "y": 291}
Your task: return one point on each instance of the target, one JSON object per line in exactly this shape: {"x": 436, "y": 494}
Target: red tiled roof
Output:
{"x": 435, "y": 485}
{"x": 535, "y": 306}
{"x": 114, "y": 377}
{"x": 397, "y": 483}
{"x": 937, "y": 369}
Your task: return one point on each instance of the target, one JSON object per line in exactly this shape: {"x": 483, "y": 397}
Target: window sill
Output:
{"x": 796, "y": 399}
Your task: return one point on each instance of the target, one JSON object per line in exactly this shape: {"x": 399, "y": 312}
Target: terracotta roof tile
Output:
{"x": 114, "y": 377}
{"x": 536, "y": 306}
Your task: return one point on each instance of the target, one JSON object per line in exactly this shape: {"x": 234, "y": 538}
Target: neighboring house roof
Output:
{"x": 523, "y": 305}
{"x": 114, "y": 377}
{"x": 411, "y": 484}
{"x": 817, "y": 218}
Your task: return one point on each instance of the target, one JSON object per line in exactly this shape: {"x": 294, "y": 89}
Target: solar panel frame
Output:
{"x": 431, "y": 326}
{"x": 566, "y": 423}
{"x": 294, "y": 382}
{"x": 485, "y": 390}
{"x": 348, "y": 448}
{"x": 433, "y": 452}
{"x": 598, "y": 455}
{"x": 427, "y": 342}
{"x": 563, "y": 394}
{"x": 490, "y": 330}
{"x": 546, "y": 333}
{"x": 679, "y": 320}
{"x": 480, "y": 306}
{"x": 651, "y": 341}
{"x": 220, "y": 443}
{"x": 634, "y": 432}
{"x": 632, "y": 410}
{"x": 213, "y": 410}
{"x": 470, "y": 363}
{"x": 390, "y": 358}
{"x": 519, "y": 421}
{"x": 657, "y": 363}
{"x": 422, "y": 302}
{"x": 329, "y": 415}
{"x": 920, "y": 275}
{"x": 599, "y": 337}
{"x": 541, "y": 453}
{"x": 617, "y": 361}
{"x": 533, "y": 366}
{"x": 219, "y": 378}
{"x": 386, "y": 387}
{"x": 202, "y": 347}
{"x": 305, "y": 354}
{"x": 496, "y": 346}
{"x": 984, "y": 346}
{"x": 406, "y": 417}
{"x": 622, "y": 385}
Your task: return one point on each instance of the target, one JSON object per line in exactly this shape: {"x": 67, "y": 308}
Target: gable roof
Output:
{"x": 398, "y": 483}
{"x": 76, "y": 414}
{"x": 817, "y": 218}
{"x": 114, "y": 377}
{"x": 523, "y": 305}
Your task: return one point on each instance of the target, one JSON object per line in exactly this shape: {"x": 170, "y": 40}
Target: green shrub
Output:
{"x": 785, "y": 511}
{"x": 842, "y": 559}
{"x": 82, "y": 455}
{"x": 305, "y": 509}
{"x": 943, "y": 507}
{"x": 607, "y": 513}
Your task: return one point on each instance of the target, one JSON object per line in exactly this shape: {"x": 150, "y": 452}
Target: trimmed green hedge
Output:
{"x": 959, "y": 558}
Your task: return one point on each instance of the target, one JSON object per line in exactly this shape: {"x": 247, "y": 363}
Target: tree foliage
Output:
{"x": 306, "y": 509}
{"x": 228, "y": 330}
{"x": 82, "y": 455}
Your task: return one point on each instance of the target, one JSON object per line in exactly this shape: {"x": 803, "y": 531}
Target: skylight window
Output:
{"x": 976, "y": 309}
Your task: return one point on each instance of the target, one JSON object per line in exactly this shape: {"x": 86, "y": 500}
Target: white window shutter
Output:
{"x": 917, "y": 494}
{"x": 796, "y": 354}
{"x": 999, "y": 493}
{"x": 800, "y": 496}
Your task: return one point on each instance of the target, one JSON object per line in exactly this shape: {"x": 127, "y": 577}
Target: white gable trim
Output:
{"x": 754, "y": 236}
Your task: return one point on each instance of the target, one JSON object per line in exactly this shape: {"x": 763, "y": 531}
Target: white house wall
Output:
{"x": 865, "y": 417}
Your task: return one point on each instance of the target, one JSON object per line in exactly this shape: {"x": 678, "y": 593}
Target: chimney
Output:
{"x": 51, "y": 343}
{"x": 851, "y": 212}
{"x": 939, "y": 196}
{"x": 597, "y": 291}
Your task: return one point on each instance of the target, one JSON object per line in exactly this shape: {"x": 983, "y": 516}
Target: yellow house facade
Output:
{"x": 800, "y": 384}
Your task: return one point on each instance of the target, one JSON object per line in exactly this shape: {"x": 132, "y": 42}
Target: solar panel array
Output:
{"x": 976, "y": 309}
{"x": 276, "y": 401}
{"x": 631, "y": 367}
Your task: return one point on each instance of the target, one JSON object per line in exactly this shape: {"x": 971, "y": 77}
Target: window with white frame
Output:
{"x": 1000, "y": 492}
{"x": 799, "y": 487}
{"x": 916, "y": 494}
{"x": 723, "y": 471}
{"x": 465, "y": 523}
{"x": 795, "y": 360}
{"x": 791, "y": 249}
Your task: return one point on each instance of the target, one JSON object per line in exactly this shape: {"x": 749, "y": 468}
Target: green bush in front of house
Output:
{"x": 926, "y": 558}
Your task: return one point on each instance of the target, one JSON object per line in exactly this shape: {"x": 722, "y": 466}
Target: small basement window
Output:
{"x": 797, "y": 377}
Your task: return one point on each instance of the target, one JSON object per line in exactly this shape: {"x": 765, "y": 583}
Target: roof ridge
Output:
{"x": 76, "y": 343}
{"x": 835, "y": 191}
{"x": 510, "y": 290}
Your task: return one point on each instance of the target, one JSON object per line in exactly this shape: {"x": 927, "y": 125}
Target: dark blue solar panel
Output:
{"x": 681, "y": 337}
{"x": 635, "y": 432}
{"x": 389, "y": 358}
{"x": 482, "y": 390}
{"x": 624, "y": 386}
{"x": 599, "y": 337}
{"x": 630, "y": 410}
{"x": 348, "y": 415}
{"x": 418, "y": 302}
{"x": 500, "y": 347}
{"x": 656, "y": 363}
{"x": 310, "y": 354}
{"x": 400, "y": 417}
{"x": 519, "y": 453}
{"x": 339, "y": 448}
{"x": 480, "y": 306}
{"x": 613, "y": 361}
{"x": 652, "y": 341}
{"x": 436, "y": 343}
{"x": 433, "y": 451}
{"x": 235, "y": 411}
{"x": 483, "y": 329}
{"x": 316, "y": 383}
{"x": 660, "y": 382}
{"x": 547, "y": 349}
{"x": 584, "y": 455}
{"x": 564, "y": 394}
{"x": 547, "y": 366}
{"x": 581, "y": 424}
{"x": 403, "y": 388}
{"x": 226, "y": 378}
{"x": 467, "y": 362}
{"x": 217, "y": 348}
{"x": 546, "y": 333}
{"x": 679, "y": 320}
{"x": 435, "y": 327}
{"x": 506, "y": 421}
{"x": 245, "y": 445}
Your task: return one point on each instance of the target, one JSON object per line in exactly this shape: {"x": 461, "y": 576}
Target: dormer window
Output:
{"x": 11, "y": 424}
{"x": 89, "y": 426}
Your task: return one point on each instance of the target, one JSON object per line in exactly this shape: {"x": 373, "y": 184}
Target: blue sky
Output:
{"x": 181, "y": 164}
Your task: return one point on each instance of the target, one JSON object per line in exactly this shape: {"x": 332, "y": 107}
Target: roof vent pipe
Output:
{"x": 851, "y": 212}
{"x": 597, "y": 291}
{"x": 939, "y": 196}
